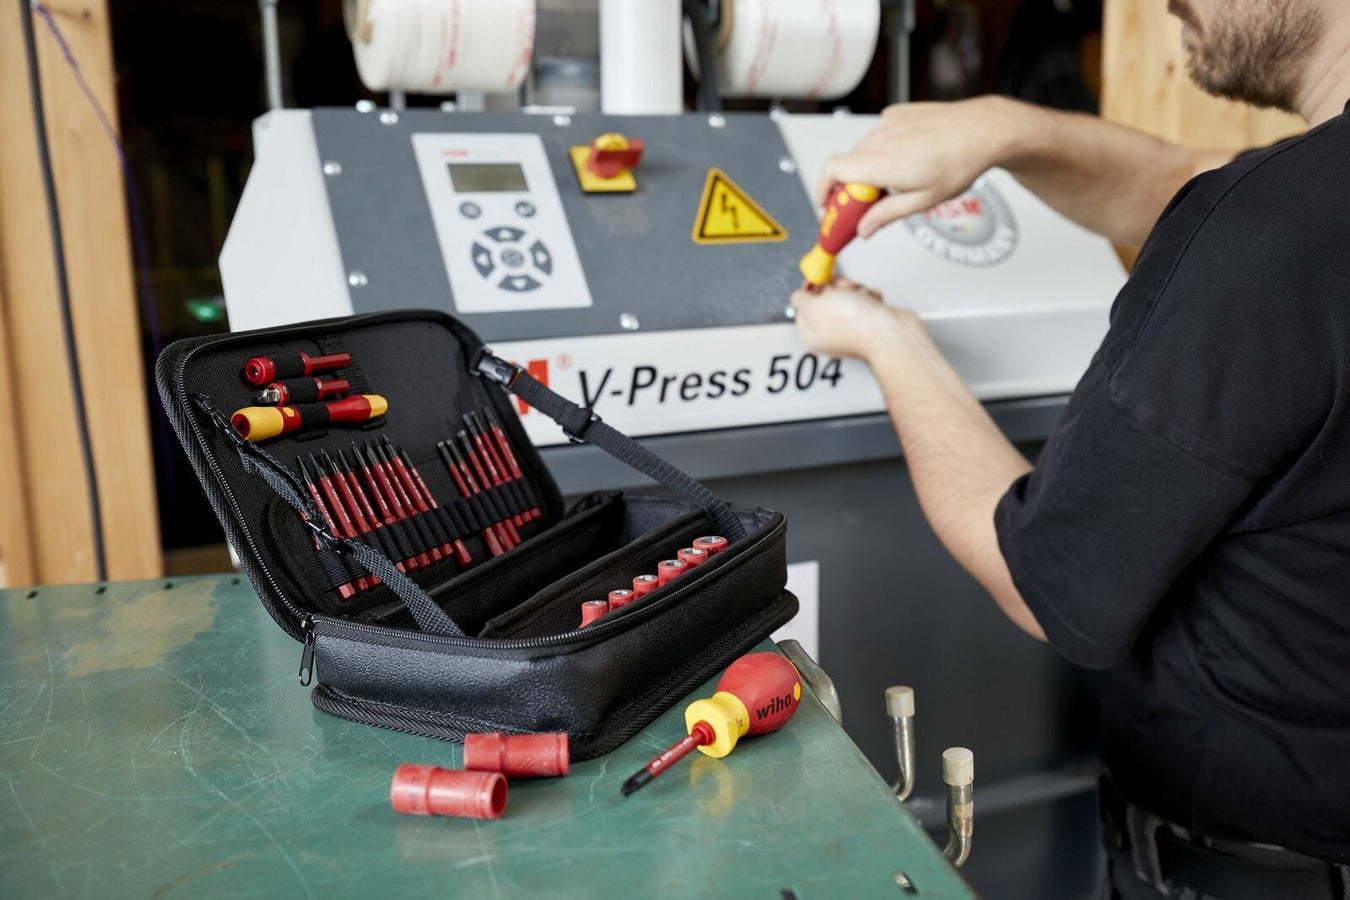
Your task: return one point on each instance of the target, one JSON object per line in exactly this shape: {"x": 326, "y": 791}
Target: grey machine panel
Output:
{"x": 384, "y": 226}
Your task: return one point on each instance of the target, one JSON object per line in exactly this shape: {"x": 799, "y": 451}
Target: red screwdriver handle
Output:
{"x": 261, "y": 369}
{"x": 839, "y": 226}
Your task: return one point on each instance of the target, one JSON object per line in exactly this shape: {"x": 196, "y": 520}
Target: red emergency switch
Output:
{"x": 612, "y": 153}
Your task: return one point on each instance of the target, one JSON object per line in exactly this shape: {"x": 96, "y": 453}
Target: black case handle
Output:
{"x": 583, "y": 425}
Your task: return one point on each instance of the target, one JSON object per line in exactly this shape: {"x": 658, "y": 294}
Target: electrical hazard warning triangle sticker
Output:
{"x": 727, "y": 215}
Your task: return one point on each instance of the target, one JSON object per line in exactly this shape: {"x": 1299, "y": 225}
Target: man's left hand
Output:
{"x": 849, "y": 320}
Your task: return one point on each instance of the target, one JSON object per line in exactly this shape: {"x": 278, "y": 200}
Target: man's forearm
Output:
{"x": 959, "y": 459}
{"x": 1108, "y": 178}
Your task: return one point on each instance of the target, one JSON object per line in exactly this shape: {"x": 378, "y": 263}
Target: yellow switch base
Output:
{"x": 623, "y": 183}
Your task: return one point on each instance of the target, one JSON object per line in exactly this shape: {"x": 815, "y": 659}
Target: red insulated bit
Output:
{"x": 381, "y": 485}
{"x": 496, "y": 469}
{"x": 408, "y": 493}
{"x": 486, "y": 481}
{"x": 381, "y": 504}
{"x": 461, "y": 551}
{"x": 509, "y": 456}
{"x": 504, "y": 525}
{"x": 363, "y": 502}
{"x": 396, "y": 502}
{"x": 348, "y": 590}
{"x": 460, "y": 475}
{"x": 477, "y": 487}
{"x": 342, "y": 521}
{"x": 489, "y": 424}
{"x": 358, "y": 517}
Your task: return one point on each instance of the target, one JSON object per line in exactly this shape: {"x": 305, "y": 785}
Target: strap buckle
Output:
{"x": 494, "y": 368}
{"x": 578, "y": 436}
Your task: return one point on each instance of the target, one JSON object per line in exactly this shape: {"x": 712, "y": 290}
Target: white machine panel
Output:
{"x": 500, "y": 223}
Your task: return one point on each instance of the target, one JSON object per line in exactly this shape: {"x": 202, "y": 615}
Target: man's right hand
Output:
{"x": 924, "y": 153}
{"x": 1109, "y": 179}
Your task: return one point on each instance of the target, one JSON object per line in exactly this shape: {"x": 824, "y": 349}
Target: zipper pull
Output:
{"x": 307, "y": 655}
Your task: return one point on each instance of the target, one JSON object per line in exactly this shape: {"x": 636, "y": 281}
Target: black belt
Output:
{"x": 1170, "y": 857}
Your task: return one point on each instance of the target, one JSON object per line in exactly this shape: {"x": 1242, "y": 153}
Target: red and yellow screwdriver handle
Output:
{"x": 758, "y": 693}
{"x": 839, "y": 226}
{"x": 259, "y": 423}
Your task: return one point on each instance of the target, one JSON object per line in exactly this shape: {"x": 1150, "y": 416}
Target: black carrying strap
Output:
{"x": 581, "y": 424}
{"x": 256, "y": 461}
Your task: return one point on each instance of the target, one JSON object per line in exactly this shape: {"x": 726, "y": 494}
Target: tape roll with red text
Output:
{"x": 441, "y": 46}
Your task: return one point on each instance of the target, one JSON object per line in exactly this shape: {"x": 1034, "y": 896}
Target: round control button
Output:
{"x": 525, "y": 209}
{"x": 470, "y": 210}
{"x": 512, "y": 259}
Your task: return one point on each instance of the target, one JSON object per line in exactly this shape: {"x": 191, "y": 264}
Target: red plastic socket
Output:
{"x": 693, "y": 556}
{"x": 517, "y": 755}
{"x": 620, "y": 598}
{"x": 644, "y": 585}
{"x": 669, "y": 569}
{"x": 422, "y": 790}
{"x": 714, "y": 544}
{"x": 592, "y": 610}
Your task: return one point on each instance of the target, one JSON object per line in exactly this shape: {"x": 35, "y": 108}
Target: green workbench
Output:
{"x": 155, "y": 742}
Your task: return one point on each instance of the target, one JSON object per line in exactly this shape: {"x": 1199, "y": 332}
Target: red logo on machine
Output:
{"x": 974, "y": 229}
{"x": 538, "y": 370}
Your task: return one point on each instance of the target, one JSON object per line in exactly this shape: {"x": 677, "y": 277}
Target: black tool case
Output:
{"x": 436, "y": 647}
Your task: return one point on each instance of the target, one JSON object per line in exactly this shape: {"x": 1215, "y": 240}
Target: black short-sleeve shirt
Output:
{"x": 1188, "y": 523}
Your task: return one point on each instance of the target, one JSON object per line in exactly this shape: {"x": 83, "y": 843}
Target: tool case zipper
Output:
{"x": 446, "y": 726}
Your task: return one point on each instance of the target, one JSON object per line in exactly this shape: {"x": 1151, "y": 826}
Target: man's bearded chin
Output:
{"x": 1256, "y": 53}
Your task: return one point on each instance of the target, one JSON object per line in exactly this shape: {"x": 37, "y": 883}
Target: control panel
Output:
{"x": 500, "y": 223}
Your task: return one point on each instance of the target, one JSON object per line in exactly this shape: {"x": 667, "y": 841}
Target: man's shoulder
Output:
{"x": 1285, "y": 182}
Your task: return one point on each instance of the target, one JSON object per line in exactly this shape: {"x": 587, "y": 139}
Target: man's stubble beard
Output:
{"x": 1257, "y": 56}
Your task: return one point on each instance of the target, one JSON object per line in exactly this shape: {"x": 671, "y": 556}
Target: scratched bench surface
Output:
{"x": 156, "y": 743}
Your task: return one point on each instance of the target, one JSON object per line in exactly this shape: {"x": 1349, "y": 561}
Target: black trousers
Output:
{"x": 1148, "y": 858}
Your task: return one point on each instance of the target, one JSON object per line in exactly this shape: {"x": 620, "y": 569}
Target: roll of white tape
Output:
{"x": 795, "y": 48}
{"x": 441, "y": 46}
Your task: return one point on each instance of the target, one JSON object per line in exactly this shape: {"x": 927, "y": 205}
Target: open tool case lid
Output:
{"x": 408, "y": 636}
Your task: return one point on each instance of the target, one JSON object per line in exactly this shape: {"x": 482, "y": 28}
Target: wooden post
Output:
{"x": 42, "y": 414}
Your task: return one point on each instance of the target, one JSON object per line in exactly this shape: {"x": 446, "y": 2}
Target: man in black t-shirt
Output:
{"x": 1187, "y": 525}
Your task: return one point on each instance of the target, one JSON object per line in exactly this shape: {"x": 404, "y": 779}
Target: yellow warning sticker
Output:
{"x": 727, "y": 215}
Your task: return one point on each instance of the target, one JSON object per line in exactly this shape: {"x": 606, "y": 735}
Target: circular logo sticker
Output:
{"x": 974, "y": 229}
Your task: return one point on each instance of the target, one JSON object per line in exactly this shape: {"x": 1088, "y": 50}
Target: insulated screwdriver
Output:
{"x": 301, "y": 390}
{"x": 757, "y": 694}
{"x": 259, "y": 423}
{"x": 838, "y": 227}
{"x": 261, "y": 369}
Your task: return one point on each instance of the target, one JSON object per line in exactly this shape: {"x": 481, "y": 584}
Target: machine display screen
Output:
{"x": 487, "y": 177}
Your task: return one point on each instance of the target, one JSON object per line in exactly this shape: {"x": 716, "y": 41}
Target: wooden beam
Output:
{"x": 1145, "y": 85}
{"x": 92, "y": 205}
{"x": 17, "y": 566}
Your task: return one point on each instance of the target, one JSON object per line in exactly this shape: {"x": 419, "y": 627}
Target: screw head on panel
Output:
{"x": 388, "y": 117}
{"x": 717, "y": 120}
{"x": 365, "y": 106}
{"x": 562, "y": 121}
{"x": 629, "y": 322}
{"x": 332, "y": 167}
{"x": 787, "y": 165}
{"x": 357, "y": 278}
